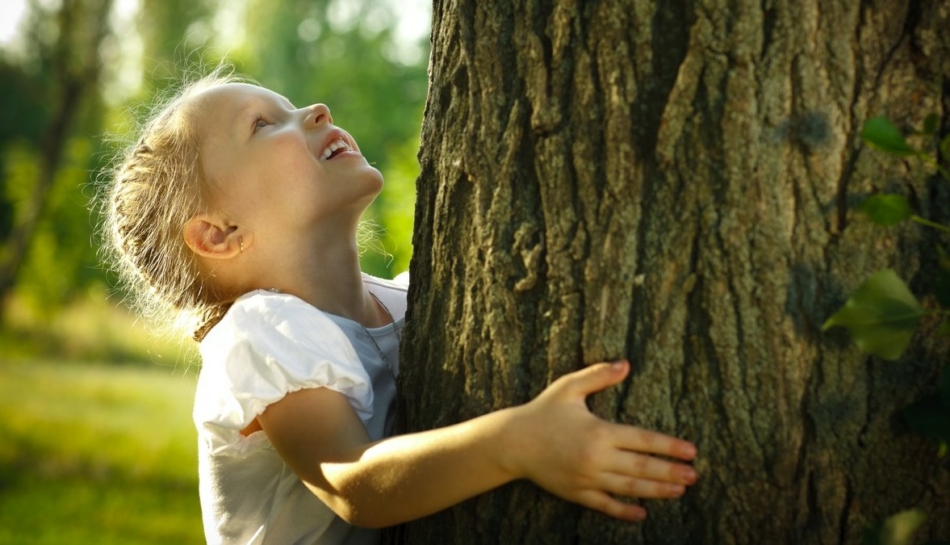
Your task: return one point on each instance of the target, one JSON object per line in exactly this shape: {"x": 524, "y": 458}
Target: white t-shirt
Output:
{"x": 266, "y": 346}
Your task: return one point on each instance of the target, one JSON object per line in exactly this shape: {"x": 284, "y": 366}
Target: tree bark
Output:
{"x": 675, "y": 183}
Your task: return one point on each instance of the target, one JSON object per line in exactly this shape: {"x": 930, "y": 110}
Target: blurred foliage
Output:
{"x": 104, "y": 452}
{"x": 51, "y": 108}
{"x": 90, "y": 328}
{"x": 80, "y": 69}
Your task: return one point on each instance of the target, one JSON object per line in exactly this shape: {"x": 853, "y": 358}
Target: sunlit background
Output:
{"x": 96, "y": 440}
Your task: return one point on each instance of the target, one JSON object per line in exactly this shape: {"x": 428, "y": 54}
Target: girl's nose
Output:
{"x": 318, "y": 115}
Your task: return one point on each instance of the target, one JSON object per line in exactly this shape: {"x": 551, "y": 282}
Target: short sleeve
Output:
{"x": 267, "y": 346}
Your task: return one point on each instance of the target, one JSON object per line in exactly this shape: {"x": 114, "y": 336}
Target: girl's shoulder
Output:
{"x": 267, "y": 345}
{"x": 273, "y": 320}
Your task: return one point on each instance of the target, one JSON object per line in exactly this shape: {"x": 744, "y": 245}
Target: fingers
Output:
{"x": 610, "y": 506}
{"x": 605, "y": 495}
{"x": 604, "y": 462}
{"x": 593, "y": 378}
{"x": 632, "y": 487}
{"x": 603, "y": 500}
{"x": 638, "y": 466}
{"x": 641, "y": 440}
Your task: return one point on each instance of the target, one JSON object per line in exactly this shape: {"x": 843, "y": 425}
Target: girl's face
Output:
{"x": 270, "y": 165}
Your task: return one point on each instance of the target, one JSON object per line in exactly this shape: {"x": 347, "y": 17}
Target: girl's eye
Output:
{"x": 259, "y": 124}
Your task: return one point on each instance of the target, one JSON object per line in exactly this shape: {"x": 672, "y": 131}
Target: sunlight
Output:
{"x": 11, "y": 14}
{"x": 413, "y": 21}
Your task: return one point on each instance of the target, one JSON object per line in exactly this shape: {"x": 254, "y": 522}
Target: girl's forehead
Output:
{"x": 241, "y": 95}
{"x": 221, "y": 109}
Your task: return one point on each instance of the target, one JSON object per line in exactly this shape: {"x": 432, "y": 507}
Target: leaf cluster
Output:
{"x": 882, "y": 315}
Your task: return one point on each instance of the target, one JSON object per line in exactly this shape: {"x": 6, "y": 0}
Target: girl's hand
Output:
{"x": 563, "y": 448}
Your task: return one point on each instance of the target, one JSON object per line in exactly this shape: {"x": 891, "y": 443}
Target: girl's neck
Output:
{"x": 327, "y": 276}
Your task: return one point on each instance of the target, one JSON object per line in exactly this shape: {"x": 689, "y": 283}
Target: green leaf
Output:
{"x": 930, "y": 124}
{"x": 880, "y": 133}
{"x": 886, "y": 209}
{"x": 930, "y": 417}
{"x": 945, "y": 147}
{"x": 881, "y": 315}
{"x": 898, "y": 529}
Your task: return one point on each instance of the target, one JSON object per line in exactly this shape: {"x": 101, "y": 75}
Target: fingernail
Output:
{"x": 619, "y": 365}
{"x": 639, "y": 516}
{"x": 689, "y": 476}
{"x": 689, "y": 452}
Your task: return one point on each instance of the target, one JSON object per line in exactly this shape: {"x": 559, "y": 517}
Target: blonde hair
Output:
{"x": 155, "y": 186}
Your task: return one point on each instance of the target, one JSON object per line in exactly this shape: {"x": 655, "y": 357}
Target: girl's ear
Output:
{"x": 207, "y": 236}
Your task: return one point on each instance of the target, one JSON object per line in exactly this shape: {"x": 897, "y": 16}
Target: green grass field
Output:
{"x": 96, "y": 454}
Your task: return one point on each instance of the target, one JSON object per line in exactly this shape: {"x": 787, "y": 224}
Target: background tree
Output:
{"x": 47, "y": 94}
{"x": 60, "y": 99}
{"x": 675, "y": 182}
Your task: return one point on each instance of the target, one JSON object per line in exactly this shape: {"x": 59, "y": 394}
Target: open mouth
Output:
{"x": 334, "y": 148}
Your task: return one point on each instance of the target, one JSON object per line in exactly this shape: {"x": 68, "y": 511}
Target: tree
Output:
{"x": 676, "y": 183}
{"x": 59, "y": 91}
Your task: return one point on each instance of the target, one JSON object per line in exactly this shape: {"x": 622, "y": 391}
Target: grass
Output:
{"x": 96, "y": 440}
{"x": 96, "y": 454}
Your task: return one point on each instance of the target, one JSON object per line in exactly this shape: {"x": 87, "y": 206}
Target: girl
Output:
{"x": 239, "y": 209}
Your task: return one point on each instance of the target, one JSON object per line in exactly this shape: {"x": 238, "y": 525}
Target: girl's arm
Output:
{"x": 553, "y": 440}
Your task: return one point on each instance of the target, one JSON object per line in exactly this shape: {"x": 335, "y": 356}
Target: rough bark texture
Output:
{"x": 675, "y": 182}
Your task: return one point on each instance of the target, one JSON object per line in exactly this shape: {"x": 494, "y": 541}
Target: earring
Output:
{"x": 241, "y": 242}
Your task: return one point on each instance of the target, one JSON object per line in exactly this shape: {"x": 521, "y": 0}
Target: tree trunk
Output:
{"x": 675, "y": 183}
{"x": 82, "y": 27}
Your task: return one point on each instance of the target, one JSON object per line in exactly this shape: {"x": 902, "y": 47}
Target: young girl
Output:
{"x": 239, "y": 209}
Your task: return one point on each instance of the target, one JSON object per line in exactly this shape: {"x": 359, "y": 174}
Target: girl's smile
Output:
{"x": 293, "y": 167}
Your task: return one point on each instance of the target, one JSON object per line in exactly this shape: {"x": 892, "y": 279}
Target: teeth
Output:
{"x": 332, "y": 147}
